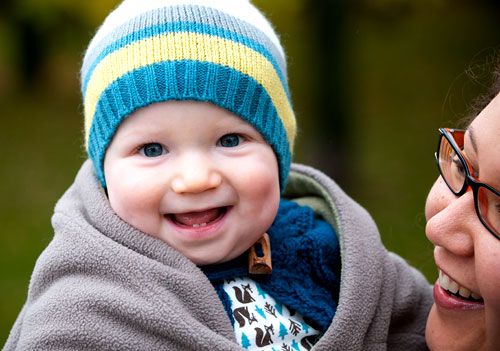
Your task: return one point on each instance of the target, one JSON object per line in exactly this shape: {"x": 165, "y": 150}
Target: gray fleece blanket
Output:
{"x": 103, "y": 285}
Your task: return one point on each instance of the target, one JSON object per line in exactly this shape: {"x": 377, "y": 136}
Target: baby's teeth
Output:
{"x": 464, "y": 292}
{"x": 199, "y": 225}
{"x": 475, "y": 296}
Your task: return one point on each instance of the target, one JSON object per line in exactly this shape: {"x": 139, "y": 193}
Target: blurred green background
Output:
{"x": 371, "y": 82}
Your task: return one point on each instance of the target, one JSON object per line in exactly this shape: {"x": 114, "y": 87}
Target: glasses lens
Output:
{"x": 488, "y": 204}
{"x": 451, "y": 166}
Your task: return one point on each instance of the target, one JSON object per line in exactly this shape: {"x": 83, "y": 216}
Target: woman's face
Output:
{"x": 465, "y": 251}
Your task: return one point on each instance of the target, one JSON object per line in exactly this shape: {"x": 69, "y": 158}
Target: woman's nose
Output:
{"x": 451, "y": 220}
{"x": 195, "y": 175}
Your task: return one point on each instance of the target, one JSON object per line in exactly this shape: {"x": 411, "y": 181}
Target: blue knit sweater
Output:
{"x": 306, "y": 266}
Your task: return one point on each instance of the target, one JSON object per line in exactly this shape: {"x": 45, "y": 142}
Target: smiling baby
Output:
{"x": 188, "y": 228}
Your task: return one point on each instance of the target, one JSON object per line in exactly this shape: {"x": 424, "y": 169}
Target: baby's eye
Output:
{"x": 152, "y": 150}
{"x": 229, "y": 140}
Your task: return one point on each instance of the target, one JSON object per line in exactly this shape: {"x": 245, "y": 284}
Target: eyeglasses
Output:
{"x": 458, "y": 174}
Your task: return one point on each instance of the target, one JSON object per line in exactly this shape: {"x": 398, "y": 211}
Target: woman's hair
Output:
{"x": 483, "y": 100}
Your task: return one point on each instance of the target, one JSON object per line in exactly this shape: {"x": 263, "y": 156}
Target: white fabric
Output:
{"x": 241, "y": 9}
{"x": 262, "y": 323}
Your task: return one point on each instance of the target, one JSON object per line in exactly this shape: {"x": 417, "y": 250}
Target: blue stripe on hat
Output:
{"x": 244, "y": 97}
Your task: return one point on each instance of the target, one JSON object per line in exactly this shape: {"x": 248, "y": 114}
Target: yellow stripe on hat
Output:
{"x": 190, "y": 46}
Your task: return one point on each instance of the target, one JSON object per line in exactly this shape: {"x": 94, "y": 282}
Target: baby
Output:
{"x": 188, "y": 228}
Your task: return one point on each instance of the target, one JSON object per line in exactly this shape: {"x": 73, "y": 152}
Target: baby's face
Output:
{"x": 195, "y": 176}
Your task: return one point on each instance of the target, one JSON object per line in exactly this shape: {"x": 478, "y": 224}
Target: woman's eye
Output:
{"x": 458, "y": 165}
{"x": 152, "y": 150}
{"x": 229, "y": 140}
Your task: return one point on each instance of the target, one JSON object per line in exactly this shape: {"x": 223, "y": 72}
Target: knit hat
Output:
{"x": 221, "y": 51}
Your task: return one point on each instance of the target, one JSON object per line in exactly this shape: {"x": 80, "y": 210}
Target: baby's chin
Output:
{"x": 209, "y": 258}
{"x": 203, "y": 261}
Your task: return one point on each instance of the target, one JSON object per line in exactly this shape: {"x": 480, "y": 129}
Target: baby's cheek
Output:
{"x": 261, "y": 194}
{"x": 120, "y": 202}
{"x": 128, "y": 200}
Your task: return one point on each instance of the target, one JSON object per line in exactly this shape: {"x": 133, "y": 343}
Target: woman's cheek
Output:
{"x": 487, "y": 267}
{"x": 440, "y": 196}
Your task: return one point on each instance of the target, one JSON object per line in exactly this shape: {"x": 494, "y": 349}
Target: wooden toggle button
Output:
{"x": 259, "y": 256}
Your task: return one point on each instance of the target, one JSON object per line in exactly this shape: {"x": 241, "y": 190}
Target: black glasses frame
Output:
{"x": 469, "y": 180}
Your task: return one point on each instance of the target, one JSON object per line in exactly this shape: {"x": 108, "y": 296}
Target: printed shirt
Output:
{"x": 262, "y": 323}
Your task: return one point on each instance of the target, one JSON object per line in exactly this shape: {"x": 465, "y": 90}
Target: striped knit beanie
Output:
{"x": 221, "y": 51}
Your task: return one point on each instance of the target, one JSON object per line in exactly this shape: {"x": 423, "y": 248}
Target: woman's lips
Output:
{"x": 449, "y": 295}
{"x": 453, "y": 287}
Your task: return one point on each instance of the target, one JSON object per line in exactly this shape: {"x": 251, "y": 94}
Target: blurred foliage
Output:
{"x": 371, "y": 82}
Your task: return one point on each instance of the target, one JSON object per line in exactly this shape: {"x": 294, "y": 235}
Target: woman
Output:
{"x": 463, "y": 222}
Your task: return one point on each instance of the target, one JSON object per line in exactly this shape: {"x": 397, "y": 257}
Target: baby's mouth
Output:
{"x": 198, "y": 219}
{"x": 454, "y": 289}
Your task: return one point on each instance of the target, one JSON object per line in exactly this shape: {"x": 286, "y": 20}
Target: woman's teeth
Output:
{"x": 447, "y": 284}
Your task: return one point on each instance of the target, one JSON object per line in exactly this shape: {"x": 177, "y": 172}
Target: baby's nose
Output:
{"x": 196, "y": 178}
